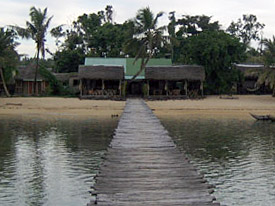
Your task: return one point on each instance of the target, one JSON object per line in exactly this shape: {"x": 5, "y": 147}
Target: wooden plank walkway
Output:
{"x": 144, "y": 167}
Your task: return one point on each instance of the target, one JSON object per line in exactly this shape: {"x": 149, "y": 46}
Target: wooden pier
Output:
{"x": 144, "y": 167}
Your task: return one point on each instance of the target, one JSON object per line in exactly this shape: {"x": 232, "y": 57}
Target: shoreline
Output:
{"x": 72, "y": 108}
{"x": 60, "y": 108}
{"x": 214, "y": 107}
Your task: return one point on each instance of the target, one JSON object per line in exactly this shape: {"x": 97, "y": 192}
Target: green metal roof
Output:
{"x": 130, "y": 68}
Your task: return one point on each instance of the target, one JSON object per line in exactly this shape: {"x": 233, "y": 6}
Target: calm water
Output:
{"x": 50, "y": 162}
{"x": 53, "y": 162}
{"x": 237, "y": 156}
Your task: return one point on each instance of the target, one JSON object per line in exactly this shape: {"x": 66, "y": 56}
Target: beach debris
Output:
{"x": 14, "y": 104}
{"x": 114, "y": 115}
{"x": 263, "y": 117}
{"x": 228, "y": 97}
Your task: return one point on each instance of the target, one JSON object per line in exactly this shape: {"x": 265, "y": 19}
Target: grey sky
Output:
{"x": 65, "y": 11}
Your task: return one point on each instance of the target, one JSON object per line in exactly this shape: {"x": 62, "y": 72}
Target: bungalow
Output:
{"x": 181, "y": 80}
{"x": 131, "y": 67}
{"x": 100, "y": 80}
{"x": 24, "y": 81}
{"x": 104, "y": 76}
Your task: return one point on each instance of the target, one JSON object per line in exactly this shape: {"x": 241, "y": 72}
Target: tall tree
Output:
{"x": 173, "y": 42}
{"x": 8, "y": 56}
{"x": 147, "y": 37}
{"x": 36, "y": 29}
{"x": 268, "y": 76}
{"x": 216, "y": 51}
{"x": 247, "y": 28}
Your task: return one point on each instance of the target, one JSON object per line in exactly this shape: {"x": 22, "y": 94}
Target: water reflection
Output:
{"x": 50, "y": 162}
{"x": 237, "y": 156}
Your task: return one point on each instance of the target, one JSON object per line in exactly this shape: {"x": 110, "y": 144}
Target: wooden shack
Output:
{"x": 100, "y": 80}
{"x": 24, "y": 81}
{"x": 182, "y": 80}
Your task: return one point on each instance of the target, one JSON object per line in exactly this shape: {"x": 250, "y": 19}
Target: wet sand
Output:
{"x": 55, "y": 107}
{"x": 214, "y": 107}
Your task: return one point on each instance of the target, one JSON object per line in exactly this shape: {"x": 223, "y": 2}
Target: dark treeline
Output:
{"x": 186, "y": 40}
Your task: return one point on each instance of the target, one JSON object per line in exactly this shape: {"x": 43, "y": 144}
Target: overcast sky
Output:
{"x": 16, "y": 12}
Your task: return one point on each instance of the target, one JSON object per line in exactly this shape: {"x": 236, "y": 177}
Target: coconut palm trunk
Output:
{"x": 36, "y": 73}
{"x": 146, "y": 39}
{"x": 4, "y": 83}
{"x": 142, "y": 66}
{"x": 36, "y": 29}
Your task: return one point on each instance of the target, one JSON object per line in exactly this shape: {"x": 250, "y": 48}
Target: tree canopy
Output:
{"x": 8, "y": 56}
{"x": 190, "y": 39}
{"x": 36, "y": 29}
{"x": 216, "y": 51}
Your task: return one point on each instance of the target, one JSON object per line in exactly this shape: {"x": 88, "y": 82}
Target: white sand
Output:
{"x": 214, "y": 107}
{"x": 59, "y": 107}
{"x": 210, "y": 107}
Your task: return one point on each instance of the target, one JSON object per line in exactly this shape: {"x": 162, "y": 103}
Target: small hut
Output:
{"x": 69, "y": 80}
{"x": 24, "y": 81}
{"x": 251, "y": 73}
{"x": 100, "y": 80}
{"x": 182, "y": 80}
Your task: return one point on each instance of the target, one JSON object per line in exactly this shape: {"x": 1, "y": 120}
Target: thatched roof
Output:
{"x": 181, "y": 72}
{"x": 101, "y": 72}
{"x": 27, "y": 73}
{"x": 63, "y": 77}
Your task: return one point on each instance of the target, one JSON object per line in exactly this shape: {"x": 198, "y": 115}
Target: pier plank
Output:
{"x": 144, "y": 167}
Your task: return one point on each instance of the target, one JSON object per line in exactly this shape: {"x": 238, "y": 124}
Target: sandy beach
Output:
{"x": 214, "y": 107}
{"x": 55, "y": 107}
{"x": 210, "y": 107}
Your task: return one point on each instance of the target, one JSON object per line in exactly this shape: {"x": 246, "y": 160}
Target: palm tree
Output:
{"x": 8, "y": 56}
{"x": 269, "y": 51}
{"x": 147, "y": 37}
{"x": 36, "y": 29}
{"x": 268, "y": 76}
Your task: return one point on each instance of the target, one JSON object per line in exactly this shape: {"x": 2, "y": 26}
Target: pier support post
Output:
{"x": 166, "y": 87}
{"x": 103, "y": 86}
{"x": 201, "y": 87}
{"x": 148, "y": 88}
{"x": 186, "y": 87}
{"x": 119, "y": 87}
{"x": 80, "y": 87}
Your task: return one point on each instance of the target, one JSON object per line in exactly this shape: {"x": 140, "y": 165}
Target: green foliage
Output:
{"x": 254, "y": 56}
{"x": 68, "y": 60}
{"x": 269, "y": 51}
{"x": 147, "y": 37}
{"x": 54, "y": 87}
{"x": 216, "y": 51}
{"x": 36, "y": 28}
{"x": 267, "y": 78}
{"x": 93, "y": 35}
{"x": 8, "y": 57}
{"x": 193, "y": 25}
